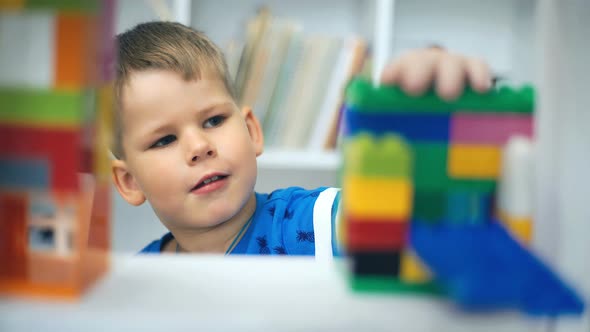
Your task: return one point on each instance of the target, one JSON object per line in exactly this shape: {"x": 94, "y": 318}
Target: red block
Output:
{"x": 60, "y": 146}
{"x": 371, "y": 235}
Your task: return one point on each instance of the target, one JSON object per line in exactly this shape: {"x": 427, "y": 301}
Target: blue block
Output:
{"x": 24, "y": 174}
{"x": 415, "y": 127}
{"x": 482, "y": 268}
{"x": 465, "y": 207}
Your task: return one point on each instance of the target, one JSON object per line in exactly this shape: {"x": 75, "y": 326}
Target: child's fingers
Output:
{"x": 418, "y": 72}
{"x": 450, "y": 76}
{"x": 478, "y": 74}
{"x": 392, "y": 72}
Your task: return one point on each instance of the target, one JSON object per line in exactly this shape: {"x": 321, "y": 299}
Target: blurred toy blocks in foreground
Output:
{"x": 55, "y": 116}
{"x": 423, "y": 160}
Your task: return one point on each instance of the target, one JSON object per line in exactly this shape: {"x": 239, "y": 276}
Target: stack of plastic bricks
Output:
{"x": 56, "y": 74}
{"x": 420, "y": 159}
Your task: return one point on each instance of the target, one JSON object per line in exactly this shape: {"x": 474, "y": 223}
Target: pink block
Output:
{"x": 489, "y": 128}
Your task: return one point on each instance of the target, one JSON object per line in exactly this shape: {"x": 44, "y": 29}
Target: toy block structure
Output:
{"x": 428, "y": 161}
{"x": 55, "y": 127}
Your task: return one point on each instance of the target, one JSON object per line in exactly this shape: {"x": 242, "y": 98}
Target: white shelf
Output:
{"x": 216, "y": 293}
{"x": 300, "y": 160}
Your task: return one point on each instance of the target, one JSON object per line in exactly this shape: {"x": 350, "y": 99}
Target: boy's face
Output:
{"x": 188, "y": 149}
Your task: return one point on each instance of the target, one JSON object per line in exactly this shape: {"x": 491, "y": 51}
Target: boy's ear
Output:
{"x": 126, "y": 184}
{"x": 254, "y": 129}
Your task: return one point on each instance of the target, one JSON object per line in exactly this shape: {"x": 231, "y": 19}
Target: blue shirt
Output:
{"x": 292, "y": 221}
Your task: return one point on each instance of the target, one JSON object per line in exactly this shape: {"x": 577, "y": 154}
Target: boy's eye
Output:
{"x": 214, "y": 121}
{"x": 163, "y": 141}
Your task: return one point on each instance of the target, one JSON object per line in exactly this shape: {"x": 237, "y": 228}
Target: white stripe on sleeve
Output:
{"x": 322, "y": 224}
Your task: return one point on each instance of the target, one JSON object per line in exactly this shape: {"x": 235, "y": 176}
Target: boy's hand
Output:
{"x": 417, "y": 70}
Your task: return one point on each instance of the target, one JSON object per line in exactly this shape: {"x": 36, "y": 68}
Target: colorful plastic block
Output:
{"x": 364, "y": 235}
{"x": 88, "y": 6}
{"x": 412, "y": 269}
{"x": 375, "y": 263}
{"x": 464, "y": 207}
{"x": 22, "y": 174}
{"x": 59, "y": 147}
{"x": 430, "y": 166}
{"x": 11, "y": 4}
{"x": 381, "y": 198}
{"x": 474, "y": 161}
{"x": 386, "y": 156}
{"x": 415, "y": 127}
{"x": 361, "y": 94}
{"x": 489, "y": 128}
{"x": 384, "y": 285}
{"x": 429, "y": 207}
{"x": 521, "y": 228}
{"x": 36, "y": 108}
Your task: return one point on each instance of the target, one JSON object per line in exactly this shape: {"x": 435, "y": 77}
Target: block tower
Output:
{"x": 56, "y": 73}
{"x": 421, "y": 160}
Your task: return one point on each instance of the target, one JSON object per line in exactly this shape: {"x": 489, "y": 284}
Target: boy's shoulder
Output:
{"x": 285, "y": 221}
{"x": 155, "y": 247}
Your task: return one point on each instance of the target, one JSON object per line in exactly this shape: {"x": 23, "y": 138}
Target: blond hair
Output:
{"x": 168, "y": 46}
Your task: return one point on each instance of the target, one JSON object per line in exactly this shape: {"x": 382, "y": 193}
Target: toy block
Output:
{"x": 474, "y": 185}
{"x": 474, "y": 161}
{"x": 103, "y": 133}
{"x": 464, "y": 207}
{"x": 75, "y": 51}
{"x": 60, "y": 147}
{"x": 22, "y": 174}
{"x": 429, "y": 206}
{"x": 412, "y": 269}
{"x": 375, "y": 263}
{"x": 36, "y": 108}
{"x": 369, "y": 235}
{"x": 489, "y": 128}
{"x": 430, "y": 166}
{"x": 521, "y": 228}
{"x": 361, "y": 94}
{"x": 86, "y": 6}
{"x": 382, "y": 284}
{"x": 387, "y": 156}
{"x": 415, "y": 127}
{"x": 13, "y": 215}
{"x": 381, "y": 198}
{"x": 11, "y": 4}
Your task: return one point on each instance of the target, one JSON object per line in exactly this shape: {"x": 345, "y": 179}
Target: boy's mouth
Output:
{"x": 209, "y": 180}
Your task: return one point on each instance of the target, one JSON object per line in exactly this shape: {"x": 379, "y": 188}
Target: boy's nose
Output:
{"x": 198, "y": 149}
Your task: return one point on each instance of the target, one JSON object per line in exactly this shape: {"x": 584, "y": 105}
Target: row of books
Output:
{"x": 294, "y": 81}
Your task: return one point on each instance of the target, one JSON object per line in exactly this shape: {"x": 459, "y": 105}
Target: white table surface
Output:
{"x": 213, "y": 293}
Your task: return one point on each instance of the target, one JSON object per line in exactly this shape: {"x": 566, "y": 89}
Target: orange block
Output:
{"x": 11, "y": 4}
{"x": 75, "y": 51}
{"x": 474, "y": 161}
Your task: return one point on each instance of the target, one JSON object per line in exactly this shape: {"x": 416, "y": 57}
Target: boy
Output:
{"x": 182, "y": 143}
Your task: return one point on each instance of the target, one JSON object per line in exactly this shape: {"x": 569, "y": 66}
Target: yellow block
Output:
{"x": 412, "y": 270}
{"x": 104, "y": 132}
{"x": 11, "y": 4}
{"x": 520, "y": 227}
{"x": 378, "y": 197}
{"x": 474, "y": 161}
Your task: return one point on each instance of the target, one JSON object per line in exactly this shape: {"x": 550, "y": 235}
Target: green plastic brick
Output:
{"x": 361, "y": 94}
{"x": 376, "y": 284}
{"x": 41, "y": 108}
{"x": 430, "y": 207}
{"x": 86, "y": 6}
{"x": 386, "y": 156}
{"x": 430, "y": 166}
{"x": 477, "y": 186}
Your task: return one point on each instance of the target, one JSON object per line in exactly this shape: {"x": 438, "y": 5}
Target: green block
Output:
{"x": 430, "y": 207}
{"x": 476, "y": 186}
{"x": 430, "y": 166}
{"x": 385, "y": 285}
{"x": 385, "y": 156}
{"x": 361, "y": 94}
{"x": 41, "y": 108}
{"x": 86, "y": 6}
